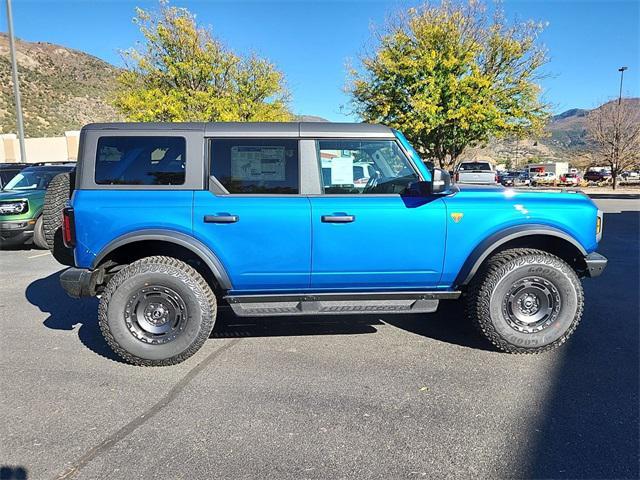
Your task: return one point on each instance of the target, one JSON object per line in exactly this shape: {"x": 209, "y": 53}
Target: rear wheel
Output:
{"x": 157, "y": 311}
{"x": 525, "y": 301}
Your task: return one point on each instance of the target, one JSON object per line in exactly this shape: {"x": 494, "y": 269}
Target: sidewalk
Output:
{"x": 607, "y": 192}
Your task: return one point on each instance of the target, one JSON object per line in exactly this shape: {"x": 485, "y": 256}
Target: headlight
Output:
{"x": 599, "y": 226}
{"x": 14, "y": 208}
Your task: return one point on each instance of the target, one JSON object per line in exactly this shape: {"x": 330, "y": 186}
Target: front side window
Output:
{"x": 364, "y": 166}
{"x": 256, "y": 166}
{"x": 140, "y": 161}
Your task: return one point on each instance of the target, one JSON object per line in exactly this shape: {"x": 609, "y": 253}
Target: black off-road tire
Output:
{"x": 38, "y": 234}
{"x": 182, "y": 280}
{"x": 487, "y": 300}
{"x": 55, "y": 199}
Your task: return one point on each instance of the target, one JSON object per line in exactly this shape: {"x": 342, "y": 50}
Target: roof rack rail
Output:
{"x": 43, "y": 164}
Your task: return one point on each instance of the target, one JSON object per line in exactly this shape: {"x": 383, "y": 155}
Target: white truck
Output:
{"x": 476, "y": 171}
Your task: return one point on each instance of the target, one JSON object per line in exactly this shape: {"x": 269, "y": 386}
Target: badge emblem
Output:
{"x": 456, "y": 216}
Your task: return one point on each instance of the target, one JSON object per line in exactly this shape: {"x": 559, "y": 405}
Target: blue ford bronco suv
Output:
{"x": 165, "y": 222}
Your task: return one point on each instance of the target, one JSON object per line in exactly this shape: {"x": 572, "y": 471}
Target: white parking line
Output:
{"x": 39, "y": 255}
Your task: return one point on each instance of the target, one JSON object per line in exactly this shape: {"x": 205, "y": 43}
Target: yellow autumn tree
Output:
{"x": 450, "y": 76}
{"x": 181, "y": 72}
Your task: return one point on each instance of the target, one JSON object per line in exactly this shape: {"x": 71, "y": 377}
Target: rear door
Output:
{"x": 253, "y": 216}
{"x": 371, "y": 236}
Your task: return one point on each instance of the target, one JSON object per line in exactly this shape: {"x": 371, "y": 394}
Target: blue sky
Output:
{"x": 311, "y": 41}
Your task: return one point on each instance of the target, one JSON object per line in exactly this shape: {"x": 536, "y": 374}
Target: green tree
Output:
{"x": 450, "y": 76}
{"x": 181, "y": 72}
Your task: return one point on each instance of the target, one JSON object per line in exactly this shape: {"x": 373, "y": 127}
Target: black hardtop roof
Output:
{"x": 255, "y": 129}
{"x": 49, "y": 166}
{"x": 13, "y": 166}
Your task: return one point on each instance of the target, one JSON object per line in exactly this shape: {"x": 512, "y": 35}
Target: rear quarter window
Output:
{"x": 475, "y": 166}
{"x": 140, "y": 161}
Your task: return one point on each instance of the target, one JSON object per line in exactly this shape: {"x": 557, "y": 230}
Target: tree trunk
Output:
{"x": 614, "y": 179}
{"x": 454, "y": 160}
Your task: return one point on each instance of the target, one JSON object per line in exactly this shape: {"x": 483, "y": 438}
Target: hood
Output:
{"x": 20, "y": 194}
{"x": 510, "y": 191}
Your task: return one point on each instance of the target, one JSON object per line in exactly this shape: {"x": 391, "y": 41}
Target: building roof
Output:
{"x": 258, "y": 129}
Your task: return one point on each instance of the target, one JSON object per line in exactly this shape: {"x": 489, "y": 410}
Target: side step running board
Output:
{"x": 337, "y": 303}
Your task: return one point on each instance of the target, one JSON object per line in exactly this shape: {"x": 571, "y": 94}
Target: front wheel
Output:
{"x": 157, "y": 311}
{"x": 525, "y": 301}
{"x": 38, "y": 234}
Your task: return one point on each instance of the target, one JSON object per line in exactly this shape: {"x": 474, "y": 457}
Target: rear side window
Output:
{"x": 140, "y": 161}
{"x": 265, "y": 166}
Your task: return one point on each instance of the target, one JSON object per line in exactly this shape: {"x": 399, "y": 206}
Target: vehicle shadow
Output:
{"x": 13, "y": 473}
{"x": 447, "y": 325}
{"x": 22, "y": 247}
{"x": 66, "y": 313}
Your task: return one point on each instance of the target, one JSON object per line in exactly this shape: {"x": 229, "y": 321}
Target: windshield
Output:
{"x": 31, "y": 180}
{"x": 468, "y": 166}
{"x": 415, "y": 156}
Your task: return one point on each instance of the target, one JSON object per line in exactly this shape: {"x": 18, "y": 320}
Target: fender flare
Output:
{"x": 170, "y": 236}
{"x": 493, "y": 242}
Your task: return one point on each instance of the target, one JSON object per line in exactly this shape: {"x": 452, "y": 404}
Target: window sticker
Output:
{"x": 258, "y": 164}
{"x": 342, "y": 170}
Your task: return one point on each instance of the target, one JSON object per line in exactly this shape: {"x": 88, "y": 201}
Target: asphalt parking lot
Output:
{"x": 338, "y": 397}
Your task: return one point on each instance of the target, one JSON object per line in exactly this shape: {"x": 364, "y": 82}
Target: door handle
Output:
{"x": 338, "y": 218}
{"x": 221, "y": 218}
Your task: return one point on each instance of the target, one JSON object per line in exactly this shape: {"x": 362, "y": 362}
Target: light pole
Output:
{"x": 616, "y": 149}
{"x": 621, "y": 70}
{"x": 16, "y": 86}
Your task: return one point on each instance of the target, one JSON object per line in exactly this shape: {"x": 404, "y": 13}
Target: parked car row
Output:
{"x": 22, "y": 201}
{"x": 484, "y": 173}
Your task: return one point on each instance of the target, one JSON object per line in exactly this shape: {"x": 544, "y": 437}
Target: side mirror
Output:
{"x": 419, "y": 189}
{"x": 441, "y": 181}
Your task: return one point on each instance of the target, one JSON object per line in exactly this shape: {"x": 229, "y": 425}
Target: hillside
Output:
{"x": 565, "y": 140}
{"x": 61, "y": 89}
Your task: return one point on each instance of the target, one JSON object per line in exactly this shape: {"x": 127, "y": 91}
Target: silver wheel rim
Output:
{"x": 531, "y": 304}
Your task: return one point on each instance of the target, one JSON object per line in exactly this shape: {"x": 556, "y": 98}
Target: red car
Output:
{"x": 570, "y": 179}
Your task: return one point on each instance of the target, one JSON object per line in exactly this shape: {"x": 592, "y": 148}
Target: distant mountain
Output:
{"x": 568, "y": 130}
{"x": 61, "y": 89}
{"x": 309, "y": 118}
{"x": 565, "y": 140}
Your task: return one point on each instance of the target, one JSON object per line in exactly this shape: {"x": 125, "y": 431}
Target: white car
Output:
{"x": 543, "y": 177}
{"x": 476, "y": 172}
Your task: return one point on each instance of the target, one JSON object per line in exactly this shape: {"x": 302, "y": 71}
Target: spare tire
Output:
{"x": 55, "y": 199}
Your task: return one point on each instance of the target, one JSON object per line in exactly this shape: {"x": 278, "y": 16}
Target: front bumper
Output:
{"x": 16, "y": 232}
{"x": 596, "y": 264}
{"x": 81, "y": 282}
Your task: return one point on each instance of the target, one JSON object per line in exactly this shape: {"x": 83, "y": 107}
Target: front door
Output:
{"x": 256, "y": 222}
{"x": 367, "y": 235}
